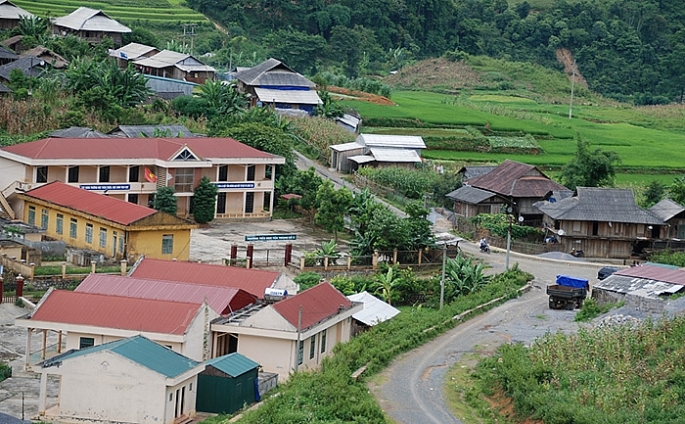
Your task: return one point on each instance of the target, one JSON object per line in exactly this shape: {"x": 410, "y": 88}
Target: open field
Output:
{"x": 648, "y": 140}
{"x": 124, "y": 10}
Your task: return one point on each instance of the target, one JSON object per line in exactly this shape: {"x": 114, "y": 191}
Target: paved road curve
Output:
{"x": 411, "y": 388}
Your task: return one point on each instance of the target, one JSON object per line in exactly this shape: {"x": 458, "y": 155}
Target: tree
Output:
{"x": 267, "y": 139}
{"x": 204, "y": 201}
{"x": 589, "y": 168}
{"x": 165, "y": 201}
{"x": 333, "y": 205}
{"x": 384, "y": 284}
{"x": 654, "y": 193}
{"x": 677, "y": 190}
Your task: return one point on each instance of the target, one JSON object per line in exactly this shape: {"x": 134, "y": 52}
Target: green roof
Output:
{"x": 138, "y": 349}
{"x": 233, "y": 364}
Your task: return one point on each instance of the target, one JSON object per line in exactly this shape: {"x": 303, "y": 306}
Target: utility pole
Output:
{"x": 189, "y": 32}
{"x": 573, "y": 83}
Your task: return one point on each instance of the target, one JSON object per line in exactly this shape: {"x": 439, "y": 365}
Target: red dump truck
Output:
{"x": 568, "y": 292}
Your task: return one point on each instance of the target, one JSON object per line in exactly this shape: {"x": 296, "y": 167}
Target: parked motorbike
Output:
{"x": 578, "y": 253}
{"x": 485, "y": 248}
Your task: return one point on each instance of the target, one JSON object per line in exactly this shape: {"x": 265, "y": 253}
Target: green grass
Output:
{"x": 124, "y": 10}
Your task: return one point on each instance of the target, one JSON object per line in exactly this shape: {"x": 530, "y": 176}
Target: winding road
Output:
{"x": 410, "y": 389}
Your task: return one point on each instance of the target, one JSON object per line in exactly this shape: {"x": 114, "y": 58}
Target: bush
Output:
{"x": 307, "y": 279}
{"x": 5, "y": 371}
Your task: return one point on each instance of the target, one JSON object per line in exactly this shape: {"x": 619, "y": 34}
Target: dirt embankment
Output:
{"x": 359, "y": 95}
{"x": 570, "y": 66}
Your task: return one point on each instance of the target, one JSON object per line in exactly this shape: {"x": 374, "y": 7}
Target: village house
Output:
{"x": 377, "y": 150}
{"x": 133, "y": 170}
{"x": 10, "y": 15}
{"x": 48, "y": 56}
{"x": 91, "y": 319}
{"x": 7, "y": 55}
{"x": 132, "y": 52}
{"x": 512, "y": 187}
{"x": 113, "y": 227}
{"x": 175, "y": 65}
{"x": 601, "y": 222}
{"x": 272, "y": 83}
{"x": 292, "y": 334}
{"x": 374, "y": 312}
{"x": 90, "y": 25}
{"x": 673, "y": 215}
{"x": 132, "y": 380}
{"x": 253, "y": 281}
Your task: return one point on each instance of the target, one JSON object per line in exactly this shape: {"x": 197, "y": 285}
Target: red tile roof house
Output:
{"x": 290, "y": 335}
{"x": 253, "y": 281}
{"x": 133, "y": 169}
{"x": 100, "y": 223}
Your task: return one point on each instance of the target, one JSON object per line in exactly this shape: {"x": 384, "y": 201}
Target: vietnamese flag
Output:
{"x": 150, "y": 176}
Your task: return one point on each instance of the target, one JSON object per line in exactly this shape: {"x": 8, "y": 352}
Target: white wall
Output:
{"x": 190, "y": 399}
{"x": 73, "y": 340}
{"x": 274, "y": 355}
{"x": 11, "y": 172}
{"x": 198, "y": 338}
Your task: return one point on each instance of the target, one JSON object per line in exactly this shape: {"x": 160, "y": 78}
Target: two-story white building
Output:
{"x": 133, "y": 170}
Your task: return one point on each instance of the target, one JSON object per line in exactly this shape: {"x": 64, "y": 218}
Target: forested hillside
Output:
{"x": 626, "y": 49}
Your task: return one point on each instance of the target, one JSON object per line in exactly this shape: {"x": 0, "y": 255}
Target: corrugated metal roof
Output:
{"x": 253, "y": 281}
{"x": 77, "y": 132}
{"x": 652, "y": 272}
{"x": 375, "y": 310}
{"x": 140, "y": 350}
{"x": 87, "y": 19}
{"x": 468, "y": 194}
{"x": 132, "y": 51}
{"x": 95, "y": 204}
{"x": 318, "y": 303}
{"x": 643, "y": 287}
{"x": 9, "y": 10}
{"x": 223, "y": 300}
{"x": 167, "y": 58}
{"x": 392, "y": 141}
{"x": 273, "y": 73}
{"x": 360, "y": 159}
{"x": 666, "y": 209}
{"x": 233, "y": 364}
{"x": 346, "y": 146}
{"x": 140, "y": 131}
{"x": 599, "y": 204}
{"x": 305, "y": 97}
{"x": 100, "y": 150}
{"x": 505, "y": 178}
{"x": 124, "y": 313}
{"x": 395, "y": 155}
{"x": 195, "y": 67}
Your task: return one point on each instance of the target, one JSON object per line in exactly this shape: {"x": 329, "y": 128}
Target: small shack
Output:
{"x": 227, "y": 384}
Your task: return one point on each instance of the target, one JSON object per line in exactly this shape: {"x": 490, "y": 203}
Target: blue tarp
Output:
{"x": 565, "y": 280}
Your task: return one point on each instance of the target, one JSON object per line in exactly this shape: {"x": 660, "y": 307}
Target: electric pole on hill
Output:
{"x": 189, "y": 32}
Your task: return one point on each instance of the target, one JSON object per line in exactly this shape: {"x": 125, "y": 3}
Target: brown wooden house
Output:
{"x": 90, "y": 25}
{"x": 10, "y": 15}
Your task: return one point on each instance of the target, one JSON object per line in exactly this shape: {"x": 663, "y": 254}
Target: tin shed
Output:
{"x": 227, "y": 383}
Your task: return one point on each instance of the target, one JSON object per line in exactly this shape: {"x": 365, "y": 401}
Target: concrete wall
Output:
{"x": 274, "y": 355}
{"x": 11, "y": 171}
{"x": 189, "y": 388}
{"x": 149, "y": 243}
{"x": 73, "y": 340}
{"x": 198, "y": 336}
{"x": 107, "y": 387}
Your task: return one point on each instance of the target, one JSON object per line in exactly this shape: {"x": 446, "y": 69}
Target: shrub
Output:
{"x": 5, "y": 371}
{"x": 307, "y": 279}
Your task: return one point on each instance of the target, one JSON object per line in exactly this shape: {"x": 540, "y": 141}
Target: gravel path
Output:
{"x": 410, "y": 389}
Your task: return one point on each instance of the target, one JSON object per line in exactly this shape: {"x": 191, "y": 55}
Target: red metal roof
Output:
{"x": 125, "y": 313}
{"x": 133, "y": 148}
{"x": 658, "y": 273}
{"x": 318, "y": 303}
{"x": 253, "y": 281}
{"x": 95, "y": 204}
{"x": 223, "y": 300}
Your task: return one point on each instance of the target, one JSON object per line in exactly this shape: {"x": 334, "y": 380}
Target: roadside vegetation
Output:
{"x": 329, "y": 395}
{"x": 618, "y": 374}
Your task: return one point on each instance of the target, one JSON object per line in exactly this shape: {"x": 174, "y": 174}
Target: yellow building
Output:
{"x": 113, "y": 227}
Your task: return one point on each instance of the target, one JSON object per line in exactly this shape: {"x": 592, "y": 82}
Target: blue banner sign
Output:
{"x": 234, "y": 185}
{"x": 271, "y": 237}
{"x": 105, "y": 186}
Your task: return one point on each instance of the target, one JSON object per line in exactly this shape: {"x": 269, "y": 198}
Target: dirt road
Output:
{"x": 410, "y": 389}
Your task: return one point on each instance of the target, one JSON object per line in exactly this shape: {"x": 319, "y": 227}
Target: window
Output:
{"x": 221, "y": 203}
{"x": 103, "y": 237}
{"x": 32, "y": 215}
{"x": 250, "y": 173}
{"x": 171, "y": 396}
{"x": 266, "y": 205}
{"x": 104, "y": 174}
{"x": 576, "y": 226}
{"x": 133, "y": 173}
{"x": 59, "y": 224}
{"x": 300, "y": 352}
{"x": 42, "y": 174}
{"x": 72, "y": 227}
{"x": 89, "y": 233}
{"x": 223, "y": 173}
{"x": 312, "y": 347}
{"x": 167, "y": 244}
{"x": 151, "y": 200}
{"x": 133, "y": 198}
{"x": 84, "y": 342}
{"x": 190, "y": 388}
{"x": 44, "y": 219}
{"x": 323, "y": 341}
{"x": 185, "y": 155}
{"x": 183, "y": 181}
{"x": 73, "y": 174}
{"x": 121, "y": 244}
